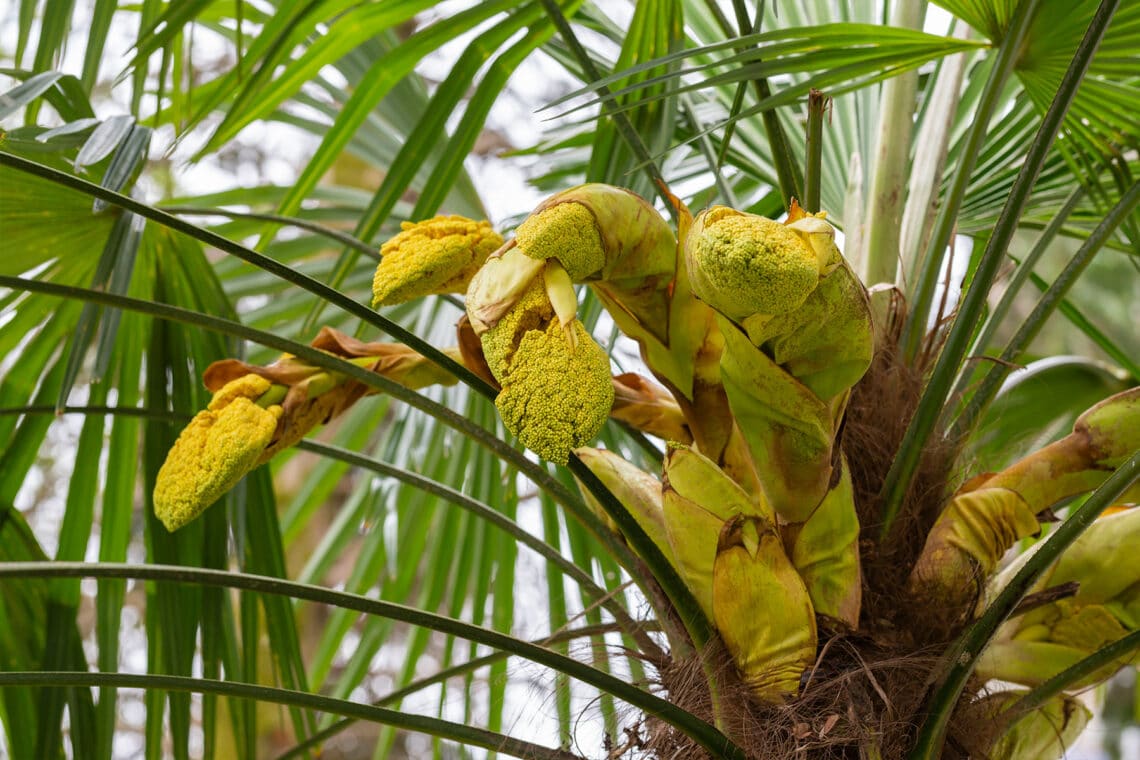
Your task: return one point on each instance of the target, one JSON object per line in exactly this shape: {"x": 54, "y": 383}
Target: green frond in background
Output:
{"x": 183, "y": 183}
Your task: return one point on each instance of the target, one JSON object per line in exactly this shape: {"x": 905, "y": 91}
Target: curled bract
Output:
{"x": 1037, "y": 645}
{"x": 219, "y": 446}
{"x": 825, "y": 552}
{"x": 438, "y": 255}
{"x": 726, "y": 547}
{"x": 969, "y": 538}
{"x": 979, "y": 525}
{"x": 650, "y": 408}
{"x": 504, "y": 280}
{"x": 1043, "y": 733}
{"x": 762, "y": 609}
{"x": 637, "y": 490}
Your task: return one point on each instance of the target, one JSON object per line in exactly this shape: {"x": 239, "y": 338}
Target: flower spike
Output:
{"x": 257, "y": 412}
{"x": 439, "y": 255}
{"x": 796, "y": 326}
{"x": 743, "y": 264}
{"x": 214, "y": 452}
{"x": 556, "y": 386}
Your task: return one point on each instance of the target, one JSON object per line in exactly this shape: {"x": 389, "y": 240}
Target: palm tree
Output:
{"x": 409, "y": 566}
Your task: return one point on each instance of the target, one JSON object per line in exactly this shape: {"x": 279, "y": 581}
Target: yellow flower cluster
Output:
{"x": 566, "y": 232}
{"x": 556, "y": 396}
{"x": 439, "y": 255}
{"x": 219, "y": 446}
{"x": 256, "y": 412}
{"x": 743, "y": 264}
{"x": 556, "y": 387}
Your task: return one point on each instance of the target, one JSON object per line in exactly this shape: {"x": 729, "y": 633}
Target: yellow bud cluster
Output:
{"x": 439, "y": 255}
{"x": 219, "y": 446}
{"x": 556, "y": 392}
{"x": 566, "y": 232}
{"x": 742, "y": 264}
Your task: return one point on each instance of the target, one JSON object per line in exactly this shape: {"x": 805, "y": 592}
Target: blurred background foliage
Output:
{"x": 308, "y": 131}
